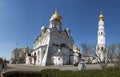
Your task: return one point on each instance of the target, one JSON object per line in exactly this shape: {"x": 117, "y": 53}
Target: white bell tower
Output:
{"x": 100, "y": 48}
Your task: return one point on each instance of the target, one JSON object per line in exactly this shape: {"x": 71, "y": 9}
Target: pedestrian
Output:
{"x": 1, "y": 74}
{"x": 0, "y": 66}
{"x": 3, "y": 67}
{"x": 82, "y": 65}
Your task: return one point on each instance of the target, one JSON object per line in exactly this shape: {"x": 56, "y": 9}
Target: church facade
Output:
{"x": 53, "y": 45}
{"x": 19, "y": 55}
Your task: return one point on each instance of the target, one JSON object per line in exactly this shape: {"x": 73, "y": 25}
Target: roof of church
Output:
{"x": 18, "y": 49}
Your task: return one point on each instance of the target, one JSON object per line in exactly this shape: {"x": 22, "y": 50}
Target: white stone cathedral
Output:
{"x": 53, "y": 45}
{"x": 101, "y": 46}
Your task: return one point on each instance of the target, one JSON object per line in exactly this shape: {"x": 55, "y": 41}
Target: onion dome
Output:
{"x": 101, "y": 17}
{"x": 43, "y": 27}
{"x": 56, "y": 16}
{"x": 21, "y": 52}
{"x": 26, "y": 47}
{"x": 76, "y": 48}
{"x": 67, "y": 29}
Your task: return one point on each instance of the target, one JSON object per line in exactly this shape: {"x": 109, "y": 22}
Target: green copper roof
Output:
{"x": 20, "y": 49}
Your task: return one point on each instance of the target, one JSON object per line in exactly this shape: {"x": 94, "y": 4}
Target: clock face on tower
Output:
{"x": 101, "y": 23}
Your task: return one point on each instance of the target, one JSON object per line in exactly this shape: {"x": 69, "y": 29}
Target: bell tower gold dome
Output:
{"x": 56, "y": 16}
{"x": 101, "y": 17}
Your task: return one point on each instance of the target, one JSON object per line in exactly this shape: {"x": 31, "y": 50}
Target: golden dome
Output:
{"x": 21, "y": 52}
{"x": 56, "y": 16}
{"x": 101, "y": 17}
{"x": 76, "y": 48}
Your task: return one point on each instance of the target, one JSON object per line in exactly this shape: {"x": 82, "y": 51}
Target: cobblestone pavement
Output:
{"x": 25, "y": 67}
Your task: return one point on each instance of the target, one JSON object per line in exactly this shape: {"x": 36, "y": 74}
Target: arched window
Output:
{"x": 35, "y": 54}
{"x": 102, "y": 48}
{"x": 98, "y": 48}
{"x": 101, "y": 33}
{"x": 38, "y": 54}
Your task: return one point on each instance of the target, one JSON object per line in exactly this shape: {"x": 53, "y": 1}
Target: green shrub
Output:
{"x": 22, "y": 74}
{"x": 49, "y": 72}
{"x": 108, "y": 72}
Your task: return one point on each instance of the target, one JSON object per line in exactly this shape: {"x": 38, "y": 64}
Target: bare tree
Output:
{"x": 110, "y": 52}
{"x": 103, "y": 63}
{"x": 115, "y": 53}
{"x": 85, "y": 49}
{"x": 90, "y": 50}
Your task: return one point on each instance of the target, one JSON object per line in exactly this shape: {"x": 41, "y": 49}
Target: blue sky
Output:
{"x": 21, "y": 20}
